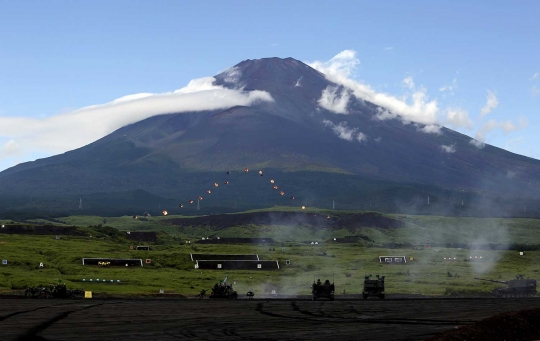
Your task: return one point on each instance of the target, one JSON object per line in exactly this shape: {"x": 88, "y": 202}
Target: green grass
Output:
{"x": 172, "y": 269}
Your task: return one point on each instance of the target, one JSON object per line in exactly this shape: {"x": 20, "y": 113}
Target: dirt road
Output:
{"x": 404, "y": 319}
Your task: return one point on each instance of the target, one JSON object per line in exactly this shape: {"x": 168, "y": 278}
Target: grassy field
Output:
{"x": 417, "y": 229}
{"x": 172, "y": 270}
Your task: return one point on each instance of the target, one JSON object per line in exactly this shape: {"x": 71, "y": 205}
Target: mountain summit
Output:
{"x": 316, "y": 154}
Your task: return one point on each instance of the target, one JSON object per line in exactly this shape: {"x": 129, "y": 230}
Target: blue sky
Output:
{"x": 59, "y": 56}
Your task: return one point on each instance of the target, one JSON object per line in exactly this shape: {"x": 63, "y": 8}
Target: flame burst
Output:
{"x": 292, "y": 198}
{"x": 275, "y": 187}
{"x": 303, "y": 207}
{"x": 216, "y": 184}
{"x": 272, "y": 181}
{"x": 209, "y": 191}
{"x": 246, "y": 170}
{"x": 180, "y": 205}
{"x": 226, "y": 182}
{"x": 191, "y": 201}
{"x": 281, "y": 193}
{"x": 200, "y": 197}
{"x": 165, "y": 212}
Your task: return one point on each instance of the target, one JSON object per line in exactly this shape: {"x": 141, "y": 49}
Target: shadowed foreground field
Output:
{"x": 410, "y": 319}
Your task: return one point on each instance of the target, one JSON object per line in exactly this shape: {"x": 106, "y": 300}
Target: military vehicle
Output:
{"x": 53, "y": 291}
{"x": 36, "y": 292}
{"x": 223, "y": 290}
{"x": 518, "y": 287}
{"x": 373, "y": 287}
{"x": 323, "y": 290}
{"x": 201, "y": 294}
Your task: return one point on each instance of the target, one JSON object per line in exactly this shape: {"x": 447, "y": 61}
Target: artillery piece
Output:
{"x": 373, "y": 287}
{"x": 323, "y": 290}
{"x": 53, "y": 291}
{"x": 518, "y": 287}
{"x": 223, "y": 290}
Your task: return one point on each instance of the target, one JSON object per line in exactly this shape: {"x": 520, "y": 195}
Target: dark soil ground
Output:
{"x": 223, "y": 221}
{"x": 40, "y": 230}
{"x": 224, "y": 320}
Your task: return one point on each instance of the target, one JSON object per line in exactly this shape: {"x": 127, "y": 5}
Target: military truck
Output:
{"x": 518, "y": 287}
{"x": 373, "y": 287}
{"x": 223, "y": 290}
{"x": 323, "y": 290}
{"x": 53, "y": 291}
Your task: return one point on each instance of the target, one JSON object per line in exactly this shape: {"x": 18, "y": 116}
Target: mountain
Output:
{"x": 174, "y": 157}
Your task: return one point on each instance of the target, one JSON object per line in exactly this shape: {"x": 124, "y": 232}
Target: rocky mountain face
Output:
{"x": 314, "y": 154}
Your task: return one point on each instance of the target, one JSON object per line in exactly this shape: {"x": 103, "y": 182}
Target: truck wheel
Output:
{"x": 381, "y": 296}
{"x": 364, "y": 296}
{"x": 313, "y": 298}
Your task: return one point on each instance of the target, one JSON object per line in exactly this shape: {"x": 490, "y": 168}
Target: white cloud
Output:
{"x": 298, "y": 82}
{"x": 231, "y": 75}
{"x": 414, "y": 108}
{"x": 535, "y": 76}
{"x": 10, "y": 148}
{"x": 409, "y": 82}
{"x": 479, "y": 141}
{"x": 458, "y": 117}
{"x": 383, "y": 114}
{"x": 449, "y": 88}
{"x": 361, "y": 137}
{"x": 493, "y": 125}
{"x": 388, "y": 48}
{"x": 513, "y": 145}
{"x": 535, "y": 91}
{"x": 507, "y": 126}
{"x": 344, "y": 132}
{"x": 448, "y": 149}
{"x": 75, "y": 129}
{"x": 431, "y": 129}
{"x": 332, "y": 101}
{"x": 491, "y": 103}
